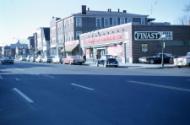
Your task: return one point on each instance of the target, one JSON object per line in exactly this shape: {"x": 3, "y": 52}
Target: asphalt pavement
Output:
{"x": 50, "y": 94}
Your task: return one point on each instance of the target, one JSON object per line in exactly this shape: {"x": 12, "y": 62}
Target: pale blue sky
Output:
{"x": 20, "y": 18}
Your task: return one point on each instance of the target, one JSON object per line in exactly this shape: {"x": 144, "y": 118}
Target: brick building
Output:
{"x": 130, "y": 41}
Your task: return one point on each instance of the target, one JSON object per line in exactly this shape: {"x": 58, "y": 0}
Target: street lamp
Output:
{"x": 163, "y": 37}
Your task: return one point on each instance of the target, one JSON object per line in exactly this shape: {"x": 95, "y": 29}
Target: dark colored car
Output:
{"x": 7, "y": 60}
{"x": 157, "y": 59}
{"x": 107, "y": 62}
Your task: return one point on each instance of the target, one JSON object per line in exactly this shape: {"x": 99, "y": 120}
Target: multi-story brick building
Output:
{"x": 69, "y": 28}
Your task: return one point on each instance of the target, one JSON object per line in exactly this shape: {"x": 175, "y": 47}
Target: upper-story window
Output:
{"x": 78, "y": 22}
{"x": 98, "y": 22}
{"x": 118, "y": 20}
{"x": 137, "y": 20}
{"x": 111, "y": 21}
{"x": 126, "y": 20}
{"x": 114, "y": 21}
{"x": 106, "y": 22}
{"x": 122, "y": 20}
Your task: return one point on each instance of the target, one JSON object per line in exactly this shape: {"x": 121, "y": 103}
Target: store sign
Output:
{"x": 103, "y": 39}
{"x": 153, "y": 35}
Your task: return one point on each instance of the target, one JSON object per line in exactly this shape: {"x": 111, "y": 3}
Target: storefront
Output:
{"x": 128, "y": 42}
{"x": 110, "y": 44}
{"x": 72, "y": 48}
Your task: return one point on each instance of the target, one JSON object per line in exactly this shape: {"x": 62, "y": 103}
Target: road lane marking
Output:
{"x": 48, "y": 76}
{"x": 160, "y": 86}
{"x": 1, "y": 78}
{"x": 81, "y": 86}
{"x": 24, "y": 96}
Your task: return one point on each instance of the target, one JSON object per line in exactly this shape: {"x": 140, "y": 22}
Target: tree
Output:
{"x": 185, "y": 19}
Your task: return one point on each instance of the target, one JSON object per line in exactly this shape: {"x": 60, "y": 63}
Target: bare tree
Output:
{"x": 185, "y": 19}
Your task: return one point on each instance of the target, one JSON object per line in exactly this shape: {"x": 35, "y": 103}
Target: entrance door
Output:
{"x": 100, "y": 52}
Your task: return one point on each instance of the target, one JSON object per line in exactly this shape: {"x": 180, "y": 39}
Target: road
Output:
{"x": 50, "y": 94}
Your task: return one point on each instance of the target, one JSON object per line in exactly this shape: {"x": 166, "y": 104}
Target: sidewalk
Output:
{"x": 136, "y": 65}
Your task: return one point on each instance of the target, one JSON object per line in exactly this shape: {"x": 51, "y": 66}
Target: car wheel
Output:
{"x": 151, "y": 61}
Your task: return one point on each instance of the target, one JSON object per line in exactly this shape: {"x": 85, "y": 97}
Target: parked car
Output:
{"x": 73, "y": 60}
{"x": 183, "y": 60}
{"x": 38, "y": 59}
{"x": 107, "y": 61}
{"x": 7, "y": 60}
{"x": 22, "y": 58}
{"x": 47, "y": 59}
{"x": 56, "y": 59}
{"x": 32, "y": 59}
{"x": 156, "y": 59}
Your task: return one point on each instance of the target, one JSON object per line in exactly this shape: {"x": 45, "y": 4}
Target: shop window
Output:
{"x": 144, "y": 48}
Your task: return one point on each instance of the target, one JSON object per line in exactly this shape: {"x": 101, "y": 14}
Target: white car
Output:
{"x": 56, "y": 59}
{"x": 183, "y": 60}
{"x": 39, "y": 59}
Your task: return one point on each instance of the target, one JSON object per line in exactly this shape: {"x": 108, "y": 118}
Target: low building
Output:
{"x": 130, "y": 41}
{"x": 19, "y": 49}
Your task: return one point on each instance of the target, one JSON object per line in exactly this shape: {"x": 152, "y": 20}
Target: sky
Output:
{"x": 20, "y": 18}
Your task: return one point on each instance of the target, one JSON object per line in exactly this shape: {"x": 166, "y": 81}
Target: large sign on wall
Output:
{"x": 153, "y": 35}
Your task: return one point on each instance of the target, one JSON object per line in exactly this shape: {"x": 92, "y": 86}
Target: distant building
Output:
{"x": 31, "y": 45}
{"x": 42, "y": 41}
{"x": 7, "y": 51}
{"x": 69, "y": 28}
{"x": 1, "y": 51}
{"x": 53, "y": 36}
{"x": 19, "y": 49}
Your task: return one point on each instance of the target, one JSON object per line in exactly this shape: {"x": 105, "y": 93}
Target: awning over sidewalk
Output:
{"x": 71, "y": 45}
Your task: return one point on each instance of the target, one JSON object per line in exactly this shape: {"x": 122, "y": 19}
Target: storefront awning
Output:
{"x": 71, "y": 45}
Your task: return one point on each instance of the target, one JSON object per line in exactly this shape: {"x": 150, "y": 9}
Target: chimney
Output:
{"x": 118, "y": 10}
{"x": 124, "y": 11}
{"x": 83, "y": 9}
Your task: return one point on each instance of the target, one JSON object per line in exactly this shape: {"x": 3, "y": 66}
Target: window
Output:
{"x": 137, "y": 20}
{"x": 78, "y": 22}
{"x": 126, "y": 20}
{"x": 111, "y": 21}
{"x": 122, "y": 20}
{"x": 106, "y": 22}
{"x": 118, "y": 20}
{"x": 144, "y": 48}
{"x": 78, "y": 34}
{"x": 98, "y": 22}
{"x": 114, "y": 21}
